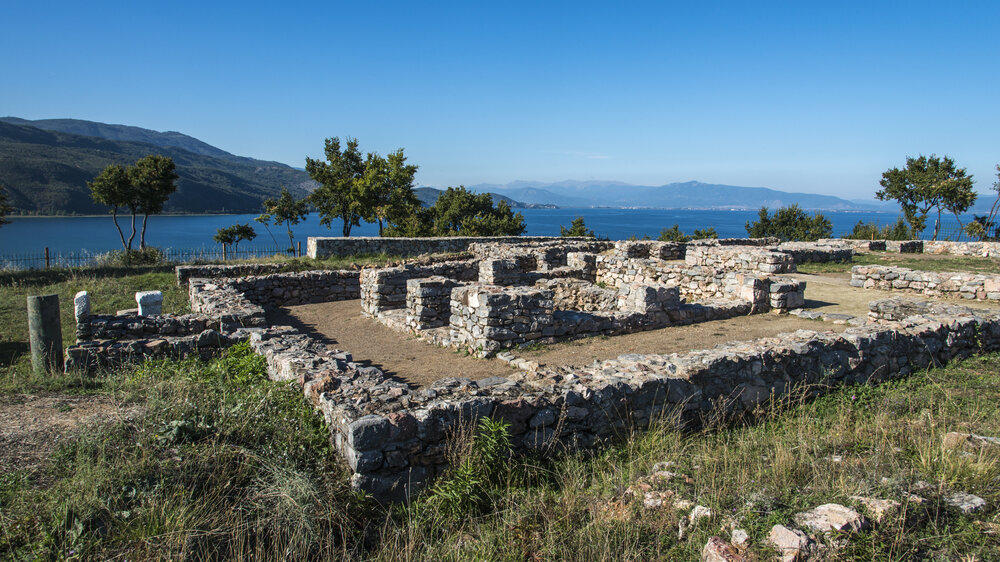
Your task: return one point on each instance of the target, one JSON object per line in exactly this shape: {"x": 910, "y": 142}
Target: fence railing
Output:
{"x": 45, "y": 259}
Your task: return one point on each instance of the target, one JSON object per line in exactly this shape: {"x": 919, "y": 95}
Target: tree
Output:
{"x": 789, "y": 223}
{"x": 928, "y": 182}
{"x": 285, "y": 210}
{"x": 154, "y": 180}
{"x": 5, "y": 207}
{"x": 872, "y": 231}
{"x": 233, "y": 235}
{"x": 576, "y": 228}
{"x": 674, "y": 234}
{"x": 459, "y": 212}
{"x": 985, "y": 227}
{"x": 112, "y": 187}
{"x": 387, "y": 189}
{"x": 341, "y": 177}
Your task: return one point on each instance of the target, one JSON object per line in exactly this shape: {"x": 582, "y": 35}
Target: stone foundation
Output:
{"x": 955, "y": 284}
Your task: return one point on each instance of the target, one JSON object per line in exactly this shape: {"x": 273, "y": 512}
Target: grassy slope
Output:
{"x": 222, "y": 463}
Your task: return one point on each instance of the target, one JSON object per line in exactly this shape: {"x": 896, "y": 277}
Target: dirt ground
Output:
{"x": 33, "y": 426}
{"x": 419, "y": 363}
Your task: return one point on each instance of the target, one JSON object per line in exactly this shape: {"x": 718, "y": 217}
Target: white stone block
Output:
{"x": 150, "y": 302}
{"x": 81, "y": 306}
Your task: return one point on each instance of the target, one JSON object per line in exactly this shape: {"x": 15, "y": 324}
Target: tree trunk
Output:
{"x": 347, "y": 227}
{"x": 114, "y": 217}
{"x": 142, "y": 236}
{"x": 131, "y": 236}
{"x": 937, "y": 226}
{"x": 380, "y": 226}
{"x": 291, "y": 240}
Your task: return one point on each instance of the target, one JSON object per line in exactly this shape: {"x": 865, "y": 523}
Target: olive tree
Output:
{"x": 928, "y": 183}
{"x": 285, "y": 210}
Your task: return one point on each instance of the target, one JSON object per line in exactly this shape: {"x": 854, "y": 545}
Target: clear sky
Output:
{"x": 797, "y": 96}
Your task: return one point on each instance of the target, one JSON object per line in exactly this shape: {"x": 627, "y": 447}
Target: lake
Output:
{"x": 73, "y": 235}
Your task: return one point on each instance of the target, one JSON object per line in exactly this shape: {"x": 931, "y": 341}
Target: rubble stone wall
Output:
{"x": 215, "y": 271}
{"x": 818, "y": 252}
{"x": 930, "y": 283}
{"x": 323, "y": 247}
{"x": 395, "y": 438}
{"x": 385, "y": 288}
{"x": 980, "y": 249}
{"x": 740, "y": 259}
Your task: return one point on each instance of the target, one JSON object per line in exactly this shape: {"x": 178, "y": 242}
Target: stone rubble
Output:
{"x": 930, "y": 283}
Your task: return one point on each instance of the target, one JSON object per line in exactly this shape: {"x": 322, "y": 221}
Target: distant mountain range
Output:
{"x": 429, "y": 195}
{"x": 687, "y": 195}
{"x": 45, "y": 167}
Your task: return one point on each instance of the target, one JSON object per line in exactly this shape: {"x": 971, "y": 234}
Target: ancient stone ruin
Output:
{"x": 505, "y": 295}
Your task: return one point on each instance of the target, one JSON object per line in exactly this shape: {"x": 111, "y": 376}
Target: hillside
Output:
{"x": 429, "y": 195}
{"x": 46, "y": 172}
{"x": 687, "y": 195}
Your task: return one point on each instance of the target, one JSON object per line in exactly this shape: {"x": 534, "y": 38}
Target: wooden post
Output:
{"x": 45, "y": 334}
{"x": 46, "y": 257}
{"x": 300, "y": 248}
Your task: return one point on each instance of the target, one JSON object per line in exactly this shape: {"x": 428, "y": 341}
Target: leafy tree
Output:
{"x": 284, "y": 210}
{"x": 112, "y": 187}
{"x": 928, "y": 182}
{"x": 576, "y": 228}
{"x": 674, "y": 234}
{"x": 459, "y": 212}
{"x": 387, "y": 189}
{"x": 985, "y": 227}
{"x": 154, "y": 179}
{"x": 789, "y": 223}
{"x": 341, "y": 178}
{"x": 233, "y": 235}
{"x": 872, "y": 231}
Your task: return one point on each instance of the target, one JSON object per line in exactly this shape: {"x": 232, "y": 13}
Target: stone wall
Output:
{"x": 385, "y": 288}
{"x": 930, "y": 283}
{"x": 395, "y": 438}
{"x": 323, "y": 247}
{"x": 133, "y": 326}
{"x": 818, "y": 252}
{"x": 304, "y": 287}
{"x": 215, "y": 271}
{"x": 740, "y": 259}
{"x": 980, "y": 249}
{"x": 542, "y": 256}
{"x": 428, "y": 302}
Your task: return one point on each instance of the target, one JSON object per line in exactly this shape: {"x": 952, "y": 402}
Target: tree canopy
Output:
{"x": 233, "y": 235}
{"x": 789, "y": 223}
{"x": 387, "y": 189}
{"x": 459, "y": 212}
{"x": 576, "y": 228}
{"x": 927, "y": 183}
{"x": 285, "y": 210}
{"x": 341, "y": 176}
{"x": 142, "y": 188}
{"x": 674, "y": 234}
{"x": 985, "y": 227}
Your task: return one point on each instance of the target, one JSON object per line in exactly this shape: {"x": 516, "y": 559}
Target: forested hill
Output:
{"x": 46, "y": 172}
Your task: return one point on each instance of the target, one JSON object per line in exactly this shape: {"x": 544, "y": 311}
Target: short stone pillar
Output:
{"x": 150, "y": 303}
{"x": 45, "y": 334}
{"x": 81, "y": 307}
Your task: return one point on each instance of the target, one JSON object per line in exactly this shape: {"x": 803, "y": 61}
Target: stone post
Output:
{"x": 45, "y": 333}
{"x": 150, "y": 303}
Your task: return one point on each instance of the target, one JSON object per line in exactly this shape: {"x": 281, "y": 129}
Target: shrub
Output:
{"x": 149, "y": 255}
{"x": 477, "y": 480}
{"x": 872, "y": 231}
{"x": 790, "y": 223}
{"x": 674, "y": 234}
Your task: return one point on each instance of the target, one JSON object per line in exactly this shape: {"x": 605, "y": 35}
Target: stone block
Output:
{"x": 150, "y": 303}
{"x": 81, "y": 307}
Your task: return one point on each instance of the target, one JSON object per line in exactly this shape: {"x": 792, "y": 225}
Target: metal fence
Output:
{"x": 46, "y": 259}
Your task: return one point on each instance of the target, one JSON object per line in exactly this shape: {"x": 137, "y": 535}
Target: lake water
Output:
{"x": 71, "y": 235}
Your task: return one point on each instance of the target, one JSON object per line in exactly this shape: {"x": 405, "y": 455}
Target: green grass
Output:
{"x": 212, "y": 461}
{"x": 911, "y": 261}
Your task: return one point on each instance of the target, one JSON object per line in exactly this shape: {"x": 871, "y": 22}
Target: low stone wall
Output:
{"x": 817, "y": 252}
{"x": 428, "y": 302}
{"x": 304, "y": 287}
{"x": 930, "y": 283}
{"x": 385, "y": 288}
{"x": 395, "y": 439}
{"x": 95, "y": 355}
{"x": 898, "y": 309}
{"x": 542, "y": 256}
{"x": 323, "y": 247}
{"x": 215, "y": 271}
{"x": 980, "y": 249}
{"x": 740, "y": 259}
{"x": 133, "y": 326}
{"x": 218, "y": 299}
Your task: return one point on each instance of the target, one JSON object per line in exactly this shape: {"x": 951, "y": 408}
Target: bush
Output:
{"x": 871, "y": 231}
{"x": 576, "y": 228}
{"x": 123, "y": 258}
{"x": 790, "y": 223}
{"x": 674, "y": 234}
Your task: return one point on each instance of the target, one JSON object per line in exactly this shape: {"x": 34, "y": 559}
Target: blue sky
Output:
{"x": 798, "y": 96}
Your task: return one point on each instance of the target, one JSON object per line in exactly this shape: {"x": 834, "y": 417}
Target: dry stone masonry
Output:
{"x": 395, "y": 437}
{"x": 931, "y": 283}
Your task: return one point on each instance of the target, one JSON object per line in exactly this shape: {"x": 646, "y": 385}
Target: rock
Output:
{"x": 81, "y": 306}
{"x": 831, "y": 517}
{"x": 956, "y": 440}
{"x": 718, "y": 550}
{"x": 150, "y": 302}
{"x": 740, "y": 537}
{"x": 966, "y": 503}
{"x": 790, "y": 543}
{"x": 698, "y": 513}
{"x": 876, "y": 507}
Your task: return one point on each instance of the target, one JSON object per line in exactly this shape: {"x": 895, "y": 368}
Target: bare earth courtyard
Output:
{"x": 340, "y": 325}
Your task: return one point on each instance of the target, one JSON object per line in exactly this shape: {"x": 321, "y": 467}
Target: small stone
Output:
{"x": 81, "y": 306}
{"x": 150, "y": 302}
{"x": 876, "y": 507}
{"x": 740, "y": 537}
{"x": 966, "y": 503}
{"x": 831, "y": 517}
{"x": 956, "y": 440}
{"x": 791, "y": 544}
{"x": 698, "y": 513}
{"x": 718, "y": 550}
